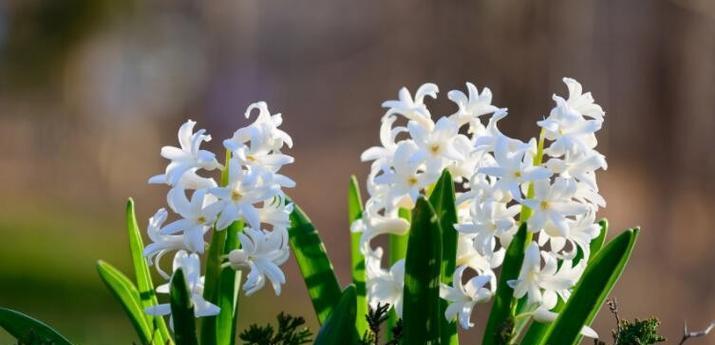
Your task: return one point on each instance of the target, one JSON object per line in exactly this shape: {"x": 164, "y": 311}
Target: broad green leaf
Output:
{"x": 339, "y": 327}
{"x": 28, "y": 330}
{"x": 213, "y": 270}
{"x": 501, "y": 313}
{"x": 444, "y": 203}
{"x": 314, "y": 264}
{"x": 229, "y": 286}
{"x": 421, "y": 312}
{"x": 182, "y": 310}
{"x": 127, "y": 294}
{"x": 357, "y": 259}
{"x": 143, "y": 275}
{"x": 592, "y": 289}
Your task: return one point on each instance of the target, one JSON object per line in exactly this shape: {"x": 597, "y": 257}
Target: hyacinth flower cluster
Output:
{"x": 250, "y": 194}
{"x": 472, "y": 217}
{"x": 547, "y": 183}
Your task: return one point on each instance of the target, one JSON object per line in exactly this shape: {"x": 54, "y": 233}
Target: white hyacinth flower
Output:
{"x": 463, "y": 297}
{"x": 542, "y": 285}
{"x": 191, "y": 267}
{"x": 197, "y": 216}
{"x": 490, "y": 221}
{"x": 413, "y": 108}
{"x": 436, "y": 146}
{"x": 187, "y": 157}
{"x": 263, "y": 137}
{"x": 551, "y": 205}
{"x": 384, "y": 286}
{"x": 582, "y": 102}
{"x": 471, "y": 105}
{"x": 501, "y": 177}
{"x": 161, "y": 243}
{"x": 513, "y": 168}
{"x": 262, "y": 252}
{"x": 239, "y": 197}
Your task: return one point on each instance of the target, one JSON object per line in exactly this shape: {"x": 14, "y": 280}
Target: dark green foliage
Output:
{"x": 638, "y": 332}
{"x": 421, "y": 309}
{"x": 443, "y": 201}
{"x": 29, "y": 331}
{"x": 182, "y": 310}
{"x": 339, "y": 327}
{"x": 506, "y": 331}
{"x": 33, "y": 339}
{"x": 291, "y": 331}
{"x": 375, "y": 319}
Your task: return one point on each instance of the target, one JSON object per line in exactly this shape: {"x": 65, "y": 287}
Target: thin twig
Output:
{"x": 613, "y": 307}
{"x": 687, "y": 335}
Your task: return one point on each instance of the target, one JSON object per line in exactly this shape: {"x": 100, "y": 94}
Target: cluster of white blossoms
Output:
{"x": 251, "y": 193}
{"x": 548, "y": 182}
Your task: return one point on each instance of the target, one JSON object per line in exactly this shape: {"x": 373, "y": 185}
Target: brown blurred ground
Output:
{"x": 90, "y": 90}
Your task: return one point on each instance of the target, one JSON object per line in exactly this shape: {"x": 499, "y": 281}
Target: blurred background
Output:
{"x": 91, "y": 89}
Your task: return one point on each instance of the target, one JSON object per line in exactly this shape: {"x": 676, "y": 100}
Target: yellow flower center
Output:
{"x": 435, "y": 148}
{"x": 201, "y": 220}
{"x": 544, "y": 205}
{"x": 412, "y": 181}
{"x": 236, "y": 195}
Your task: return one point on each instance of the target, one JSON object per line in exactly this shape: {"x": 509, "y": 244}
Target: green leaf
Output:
{"x": 592, "y": 289}
{"x": 143, "y": 275}
{"x": 127, "y": 294}
{"x": 421, "y": 303}
{"x": 229, "y": 286}
{"x": 341, "y": 322}
{"x": 443, "y": 200}
{"x": 501, "y": 314}
{"x": 315, "y": 267}
{"x": 357, "y": 259}
{"x": 597, "y": 243}
{"x": 182, "y": 310}
{"x": 28, "y": 330}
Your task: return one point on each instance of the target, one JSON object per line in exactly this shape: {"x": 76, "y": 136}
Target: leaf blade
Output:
{"x": 357, "y": 259}
{"x": 314, "y": 264}
{"x": 444, "y": 201}
{"x": 182, "y": 310}
{"x": 128, "y": 296}
{"x": 341, "y": 321}
{"x": 421, "y": 302}
{"x": 145, "y": 286}
{"x": 592, "y": 289}
{"x": 23, "y": 327}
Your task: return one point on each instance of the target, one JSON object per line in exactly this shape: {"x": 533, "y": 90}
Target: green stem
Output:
{"x": 524, "y": 216}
